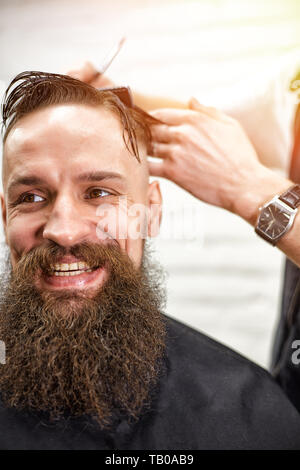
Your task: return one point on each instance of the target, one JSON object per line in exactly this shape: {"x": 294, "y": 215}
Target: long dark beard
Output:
{"x": 69, "y": 353}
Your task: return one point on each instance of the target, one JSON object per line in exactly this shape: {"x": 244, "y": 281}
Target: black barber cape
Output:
{"x": 208, "y": 397}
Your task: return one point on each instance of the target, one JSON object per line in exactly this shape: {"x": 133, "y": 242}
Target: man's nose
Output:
{"x": 65, "y": 225}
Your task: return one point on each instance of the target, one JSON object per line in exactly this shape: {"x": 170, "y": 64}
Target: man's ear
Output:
{"x": 155, "y": 208}
{"x": 3, "y": 211}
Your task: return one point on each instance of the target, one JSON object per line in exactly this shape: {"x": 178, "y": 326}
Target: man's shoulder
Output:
{"x": 193, "y": 354}
{"x": 192, "y": 348}
{"x": 220, "y": 398}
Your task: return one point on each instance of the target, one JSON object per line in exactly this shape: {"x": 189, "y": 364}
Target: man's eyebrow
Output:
{"x": 26, "y": 181}
{"x": 99, "y": 176}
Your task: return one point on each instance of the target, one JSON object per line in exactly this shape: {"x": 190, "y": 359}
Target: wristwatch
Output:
{"x": 276, "y": 217}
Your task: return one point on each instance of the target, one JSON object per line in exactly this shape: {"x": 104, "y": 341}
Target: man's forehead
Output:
{"x": 76, "y": 121}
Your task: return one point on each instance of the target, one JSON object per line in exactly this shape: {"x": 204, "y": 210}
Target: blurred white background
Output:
{"x": 238, "y": 55}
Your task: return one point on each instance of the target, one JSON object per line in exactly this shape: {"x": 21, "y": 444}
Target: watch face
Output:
{"x": 273, "y": 220}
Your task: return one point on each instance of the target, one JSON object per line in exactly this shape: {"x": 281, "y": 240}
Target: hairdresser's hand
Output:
{"x": 208, "y": 154}
{"x": 89, "y": 74}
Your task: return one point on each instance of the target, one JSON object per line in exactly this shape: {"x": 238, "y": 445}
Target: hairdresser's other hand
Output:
{"x": 89, "y": 74}
{"x": 208, "y": 154}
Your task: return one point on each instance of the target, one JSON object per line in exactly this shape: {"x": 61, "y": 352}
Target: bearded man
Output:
{"x": 92, "y": 362}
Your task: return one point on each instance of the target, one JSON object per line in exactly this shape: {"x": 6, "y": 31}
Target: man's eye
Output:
{"x": 95, "y": 193}
{"x": 31, "y": 197}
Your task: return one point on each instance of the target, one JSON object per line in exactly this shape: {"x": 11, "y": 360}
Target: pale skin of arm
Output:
{"x": 208, "y": 154}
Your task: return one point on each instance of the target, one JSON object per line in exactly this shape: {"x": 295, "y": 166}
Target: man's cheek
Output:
{"x": 110, "y": 222}
{"x": 20, "y": 239}
{"x": 137, "y": 221}
{"x": 122, "y": 222}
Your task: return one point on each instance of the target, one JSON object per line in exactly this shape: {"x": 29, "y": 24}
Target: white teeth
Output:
{"x": 73, "y": 266}
{"x": 70, "y": 273}
{"x": 69, "y": 266}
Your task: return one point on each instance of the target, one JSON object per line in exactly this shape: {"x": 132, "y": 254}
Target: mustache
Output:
{"x": 93, "y": 254}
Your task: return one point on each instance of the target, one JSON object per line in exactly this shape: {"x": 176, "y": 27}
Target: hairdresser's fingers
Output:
{"x": 89, "y": 74}
{"x": 161, "y": 133}
{"x": 157, "y": 169}
{"x": 172, "y": 135}
{"x": 208, "y": 110}
{"x": 86, "y": 73}
{"x": 174, "y": 117}
{"x": 196, "y": 106}
{"x": 162, "y": 150}
{"x": 196, "y": 112}
{"x": 102, "y": 81}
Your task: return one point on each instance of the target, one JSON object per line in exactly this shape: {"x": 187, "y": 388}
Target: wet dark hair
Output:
{"x": 31, "y": 90}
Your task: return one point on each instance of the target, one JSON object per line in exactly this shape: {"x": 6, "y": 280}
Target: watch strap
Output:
{"x": 291, "y": 197}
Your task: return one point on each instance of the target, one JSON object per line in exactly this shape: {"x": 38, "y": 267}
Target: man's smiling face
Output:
{"x": 61, "y": 165}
